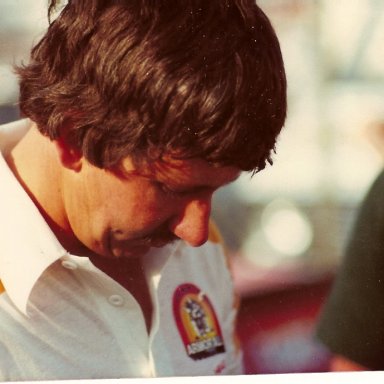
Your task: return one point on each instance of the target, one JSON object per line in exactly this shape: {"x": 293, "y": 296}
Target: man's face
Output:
{"x": 123, "y": 214}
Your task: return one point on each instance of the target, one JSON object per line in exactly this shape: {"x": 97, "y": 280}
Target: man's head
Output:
{"x": 145, "y": 78}
{"x": 152, "y": 106}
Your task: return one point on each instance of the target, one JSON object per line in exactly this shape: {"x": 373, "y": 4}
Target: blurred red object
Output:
{"x": 277, "y": 318}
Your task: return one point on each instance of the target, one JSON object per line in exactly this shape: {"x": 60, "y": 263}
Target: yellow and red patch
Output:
{"x": 197, "y": 322}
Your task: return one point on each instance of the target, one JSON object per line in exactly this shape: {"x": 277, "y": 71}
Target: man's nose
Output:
{"x": 192, "y": 224}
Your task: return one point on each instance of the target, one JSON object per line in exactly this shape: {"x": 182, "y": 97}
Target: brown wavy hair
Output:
{"x": 200, "y": 78}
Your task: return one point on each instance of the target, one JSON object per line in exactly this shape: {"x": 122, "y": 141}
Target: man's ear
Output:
{"x": 69, "y": 156}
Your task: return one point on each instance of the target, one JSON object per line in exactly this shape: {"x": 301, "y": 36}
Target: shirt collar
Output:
{"x": 28, "y": 245}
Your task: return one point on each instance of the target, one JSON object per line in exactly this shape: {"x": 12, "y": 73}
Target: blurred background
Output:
{"x": 286, "y": 227}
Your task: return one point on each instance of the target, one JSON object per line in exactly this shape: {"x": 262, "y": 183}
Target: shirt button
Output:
{"x": 116, "y": 300}
{"x": 69, "y": 264}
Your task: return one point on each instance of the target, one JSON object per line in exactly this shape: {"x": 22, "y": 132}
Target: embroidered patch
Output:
{"x": 197, "y": 322}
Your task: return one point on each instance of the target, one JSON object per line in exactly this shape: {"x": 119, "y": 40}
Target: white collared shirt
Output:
{"x": 63, "y": 318}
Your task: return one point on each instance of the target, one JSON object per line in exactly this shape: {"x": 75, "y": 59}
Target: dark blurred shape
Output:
{"x": 8, "y": 113}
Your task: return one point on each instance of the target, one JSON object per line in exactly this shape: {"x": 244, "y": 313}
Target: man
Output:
{"x": 351, "y": 324}
{"x": 137, "y": 112}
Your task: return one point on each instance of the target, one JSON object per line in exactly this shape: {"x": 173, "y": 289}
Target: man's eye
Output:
{"x": 170, "y": 192}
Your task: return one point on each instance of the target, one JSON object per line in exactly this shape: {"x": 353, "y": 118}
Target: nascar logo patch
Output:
{"x": 197, "y": 322}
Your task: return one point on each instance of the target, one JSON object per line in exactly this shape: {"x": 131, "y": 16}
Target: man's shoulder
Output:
{"x": 211, "y": 260}
{"x": 215, "y": 234}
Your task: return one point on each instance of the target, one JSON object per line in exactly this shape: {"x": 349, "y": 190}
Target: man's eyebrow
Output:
{"x": 201, "y": 187}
